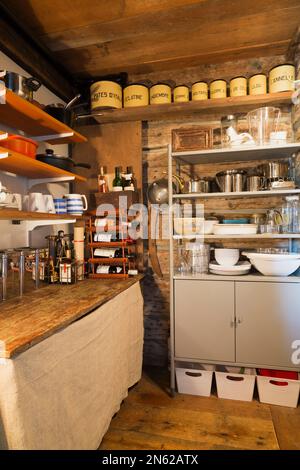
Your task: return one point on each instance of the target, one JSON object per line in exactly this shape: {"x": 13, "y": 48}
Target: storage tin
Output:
{"x": 160, "y": 94}
{"x": 238, "y": 86}
{"x": 281, "y": 78}
{"x": 135, "y": 95}
{"x": 218, "y": 89}
{"x": 258, "y": 84}
{"x": 105, "y": 94}
{"x": 199, "y": 91}
{"x": 181, "y": 94}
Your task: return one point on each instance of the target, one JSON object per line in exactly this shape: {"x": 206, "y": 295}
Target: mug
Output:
{"x": 49, "y": 204}
{"x": 60, "y": 205}
{"x": 17, "y": 198}
{"x": 36, "y": 202}
{"x": 76, "y": 203}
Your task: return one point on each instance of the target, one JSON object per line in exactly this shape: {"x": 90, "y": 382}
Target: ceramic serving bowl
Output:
{"x": 227, "y": 256}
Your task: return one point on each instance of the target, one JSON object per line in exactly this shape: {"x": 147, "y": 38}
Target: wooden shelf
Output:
{"x": 165, "y": 111}
{"x": 22, "y": 115}
{"x": 13, "y": 214}
{"x": 108, "y": 276}
{"x": 274, "y": 192}
{"x": 223, "y": 155}
{"x": 32, "y": 168}
{"x": 119, "y": 244}
{"x": 110, "y": 261}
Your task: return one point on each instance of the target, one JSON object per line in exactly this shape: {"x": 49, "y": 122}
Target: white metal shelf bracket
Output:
{"x": 46, "y": 138}
{"x": 58, "y": 179}
{"x": 32, "y": 224}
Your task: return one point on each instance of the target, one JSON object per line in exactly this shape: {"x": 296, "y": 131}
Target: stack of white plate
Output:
{"x": 242, "y": 267}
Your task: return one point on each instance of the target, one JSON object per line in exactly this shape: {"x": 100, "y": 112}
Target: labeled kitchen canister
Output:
{"x": 181, "y": 94}
{"x": 258, "y": 84}
{"x": 160, "y": 94}
{"x": 105, "y": 94}
{"x": 135, "y": 95}
{"x": 281, "y": 78}
{"x": 218, "y": 89}
{"x": 199, "y": 91}
{"x": 238, "y": 86}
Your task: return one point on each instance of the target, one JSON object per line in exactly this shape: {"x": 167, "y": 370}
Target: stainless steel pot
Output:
{"x": 231, "y": 180}
{"x": 22, "y": 86}
{"x": 255, "y": 183}
{"x": 272, "y": 170}
{"x": 202, "y": 185}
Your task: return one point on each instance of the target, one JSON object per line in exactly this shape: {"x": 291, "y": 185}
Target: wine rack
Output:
{"x": 114, "y": 224}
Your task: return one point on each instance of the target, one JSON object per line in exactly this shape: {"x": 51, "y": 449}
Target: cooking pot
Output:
{"x": 63, "y": 113}
{"x": 22, "y": 86}
{"x": 255, "y": 183}
{"x": 231, "y": 180}
{"x": 65, "y": 163}
{"x": 273, "y": 170}
{"x": 202, "y": 185}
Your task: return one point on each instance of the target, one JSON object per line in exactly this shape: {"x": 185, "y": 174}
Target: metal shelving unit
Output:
{"x": 221, "y": 156}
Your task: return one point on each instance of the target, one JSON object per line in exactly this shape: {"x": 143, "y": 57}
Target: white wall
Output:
{"x": 12, "y": 236}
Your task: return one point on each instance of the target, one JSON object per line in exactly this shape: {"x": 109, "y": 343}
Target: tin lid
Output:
{"x": 239, "y": 76}
{"x": 177, "y": 86}
{"x": 161, "y": 83}
{"x": 218, "y": 80}
{"x": 134, "y": 84}
{"x": 258, "y": 75}
{"x": 280, "y": 65}
{"x": 200, "y": 81}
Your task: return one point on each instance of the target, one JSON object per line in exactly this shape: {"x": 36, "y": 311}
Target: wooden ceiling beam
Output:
{"x": 21, "y": 48}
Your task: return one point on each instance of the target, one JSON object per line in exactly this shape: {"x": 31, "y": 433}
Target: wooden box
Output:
{"x": 191, "y": 138}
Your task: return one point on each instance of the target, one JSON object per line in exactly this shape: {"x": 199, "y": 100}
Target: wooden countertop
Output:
{"x": 26, "y": 321}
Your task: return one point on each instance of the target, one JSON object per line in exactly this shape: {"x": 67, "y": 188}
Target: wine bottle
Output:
{"x": 129, "y": 180}
{"x": 109, "y": 269}
{"x": 117, "y": 182}
{"x": 102, "y": 182}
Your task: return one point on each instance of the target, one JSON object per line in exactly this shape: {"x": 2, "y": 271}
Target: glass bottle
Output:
{"x": 129, "y": 180}
{"x": 290, "y": 214}
{"x": 117, "y": 182}
{"x": 102, "y": 182}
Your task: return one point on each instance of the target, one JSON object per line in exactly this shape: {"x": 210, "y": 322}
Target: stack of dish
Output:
{"x": 227, "y": 263}
{"x": 235, "y": 229}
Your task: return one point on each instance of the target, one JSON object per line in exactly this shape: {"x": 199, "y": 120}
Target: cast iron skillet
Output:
{"x": 65, "y": 163}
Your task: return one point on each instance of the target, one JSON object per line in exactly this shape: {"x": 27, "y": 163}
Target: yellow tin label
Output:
{"x": 199, "y": 91}
{"x": 181, "y": 94}
{"x": 218, "y": 89}
{"x": 258, "y": 84}
{"x": 106, "y": 94}
{"x": 160, "y": 94}
{"x": 135, "y": 95}
{"x": 282, "y": 78}
{"x": 238, "y": 86}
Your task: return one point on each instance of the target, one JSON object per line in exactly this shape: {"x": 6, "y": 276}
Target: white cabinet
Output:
{"x": 204, "y": 320}
{"x": 251, "y": 323}
{"x": 268, "y": 321}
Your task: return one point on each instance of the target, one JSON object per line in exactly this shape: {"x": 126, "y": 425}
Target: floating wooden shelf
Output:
{"x": 274, "y": 192}
{"x": 23, "y": 115}
{"x": 119, "y": 244}
{"x": 223, "y": 155}
{"x": 31, "y": 168}
{"x": 165, "y": 111}
{"x": 110, "y": 261}
{"x": 13, "y": 214}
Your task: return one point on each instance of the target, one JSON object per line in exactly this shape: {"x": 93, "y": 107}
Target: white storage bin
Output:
{"x": 275, "y": 391}
{"x": 195, "y": 381}
{"x": 235, "y": 386}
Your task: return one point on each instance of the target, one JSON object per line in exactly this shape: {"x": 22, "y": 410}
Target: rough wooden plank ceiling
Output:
{"x": 96, "y": 37}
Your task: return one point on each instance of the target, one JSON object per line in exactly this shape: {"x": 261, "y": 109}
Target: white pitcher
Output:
{"x": 76, "y": 204}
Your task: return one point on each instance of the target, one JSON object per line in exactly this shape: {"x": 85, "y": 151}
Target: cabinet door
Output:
{"x": 204, "y": 320}
{"x": 268, "y": 321}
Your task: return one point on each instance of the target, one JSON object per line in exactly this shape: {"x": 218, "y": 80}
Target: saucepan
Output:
{"x": 22, "y": 86}
{"x": 63, "y": 113}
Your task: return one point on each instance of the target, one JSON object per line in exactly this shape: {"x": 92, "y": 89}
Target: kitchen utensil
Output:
{"x": 36, "y": 202}
{"x": 255, "y": 183}
{"x": 235, "y": 229}
{"x": 262, "y": 122}
{"x": 49, "y": 203}
{"x": 268, "y": 228}
{"x": 60, "y": 205}
{"x": 59, "y": 161}
{"x": 202, "y": 185}
{"x": 22, "y": 86}
{"x": 76, "y": 203}
{"x": 274, "y": 170}
{"x": 63, "y": 113}
{"x": 278, "y": 138}
{"x": 199, "y": 255}
{"x": 17, "y": 199}
{"x": 281, "y": 78}
{"x": 20, "y": 144}
{"x": 242, "y": 267}
{"x": 290, "y": 214}
{"x": 282, "y": 184}
{"x": 231, "y": 180}
{"x": 227, "y": 257}
{"x": 274, "y": 264}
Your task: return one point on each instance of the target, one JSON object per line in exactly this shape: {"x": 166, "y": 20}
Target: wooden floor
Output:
{"x": 150, "y": 419}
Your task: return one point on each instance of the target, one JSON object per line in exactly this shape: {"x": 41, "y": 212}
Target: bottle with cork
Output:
{"x": 102, "y": 180}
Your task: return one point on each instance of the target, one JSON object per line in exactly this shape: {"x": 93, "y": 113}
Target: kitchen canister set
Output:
{"x": 73, "y": 204}
{"x": 109, "y": 94}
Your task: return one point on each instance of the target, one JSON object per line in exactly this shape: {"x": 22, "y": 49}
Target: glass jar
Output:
{"x": 228, "y": 128}
{"x": 199, "y": 257}
{"x": 290, "y": 213}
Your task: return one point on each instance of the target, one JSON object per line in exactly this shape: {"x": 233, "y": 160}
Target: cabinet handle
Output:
{"x": 239, "y": 321}
{"x": 233, "y": 323}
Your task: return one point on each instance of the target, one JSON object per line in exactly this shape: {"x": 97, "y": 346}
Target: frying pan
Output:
{"x": 65, "y": 163}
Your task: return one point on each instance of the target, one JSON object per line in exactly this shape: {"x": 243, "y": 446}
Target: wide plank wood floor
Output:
{"x": 150, "y": 419}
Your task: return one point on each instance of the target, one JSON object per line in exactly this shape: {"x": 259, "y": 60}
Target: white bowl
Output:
{"x": 189, "y": 226}
{"x": 227, "y": 256}
{"x": 274, "y": 264}
{"x": 209, "y": 226}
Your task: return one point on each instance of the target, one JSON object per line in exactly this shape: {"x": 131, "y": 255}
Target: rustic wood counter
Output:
{"x": 26, "y": 321}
